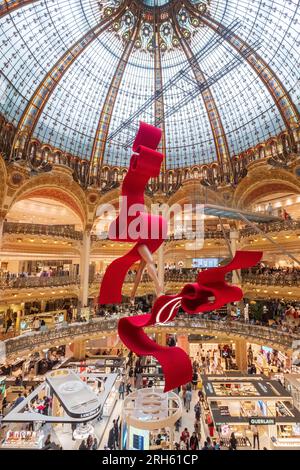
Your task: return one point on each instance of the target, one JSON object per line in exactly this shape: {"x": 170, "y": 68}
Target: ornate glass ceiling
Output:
{"x": 218, "y": 76}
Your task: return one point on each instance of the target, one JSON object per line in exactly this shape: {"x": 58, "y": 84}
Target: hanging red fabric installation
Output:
{"x": 210, "y": 292}
{"x": 144, "y": 164}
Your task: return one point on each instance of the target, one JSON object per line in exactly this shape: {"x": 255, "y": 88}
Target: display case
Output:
{"x": 241, "y": 434}
{"x": 23, "y": 440}
{"x": 160, "y": 435}
{"x": 288, "y": 436}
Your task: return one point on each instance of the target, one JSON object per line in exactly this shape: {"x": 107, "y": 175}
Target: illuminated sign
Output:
{"x": 261, "y": 421}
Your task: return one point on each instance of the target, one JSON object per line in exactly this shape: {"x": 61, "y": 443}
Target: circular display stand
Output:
{"x": 152, "y": 409}
{"x": 83, "y": 431}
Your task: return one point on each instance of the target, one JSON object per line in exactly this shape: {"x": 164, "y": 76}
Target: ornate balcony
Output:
{"x": 185, "y": 324}
{"x": 31, "y": 282}
{"x": 64, "y": 231}
{"x": 284, "y": 225}
{"x": 281, "y": 279}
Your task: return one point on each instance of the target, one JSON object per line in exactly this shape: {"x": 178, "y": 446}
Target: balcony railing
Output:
{"x": 277, "y": 279}
{"x": 69, "y": 232}
{"x": 36, "y": 340}
{"x": 64, "y": 231}
{"x": 31, "y": 282}
{"x": 283, "y": 225}
{"x": 186, "y": 275}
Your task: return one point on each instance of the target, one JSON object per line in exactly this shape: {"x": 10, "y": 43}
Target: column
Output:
{"x": 84, "y": 268}
{"x": 161, "y": 267}
{"x": 79, "y": 350}
{"x": 241, "y": 354}
{"x": 18, "y": 322}
{"x": 1, "y": 228}
{"x": 183, "y": 343}
{"x": 161, "y": 338}
{"x": 43, "y": 305}
{"x": 234, "y": 237}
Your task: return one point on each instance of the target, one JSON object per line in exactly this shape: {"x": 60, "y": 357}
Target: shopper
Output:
{"x": 36, "y": 324}
{"x": 90, "y": 442}
{"x": 255, "y": 436}
{"x": 49, "y": 445}
{"x": 121, "y": 390}
{"x": 201, "y": 396}
{"x": 188, "y": 399}
{"x": 209, "y": 444}
{"x": 177, "y": 425}
{"x": 232, "y": 442}
{"x": 4, "y": 405}
{"x": 83, "y": 445}
{"x": 197, "y": 428}
{"x": 139, "y": 380}
{"x": 185, "y": 436}
{"x": 183, "y": 445}
{"x": 216, "y": 445}
{"x": 116, "y": 431}
{"x": 128, "y": 388}
{"x": 111, "y": 439}
{"x": 197, "y": 409}
{"x": 194, "y": 443}
{"x": 8, "y": 324}
{"x": 210, "y": 424}
{"x": 18, "y": 400}
{"x": 184, "y": 395}
{"x": 195, "y": 380}
{"x": 95, "y": 444}
{"x": 205, "y": 446}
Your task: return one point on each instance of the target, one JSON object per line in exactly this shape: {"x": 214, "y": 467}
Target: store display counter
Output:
{"x": 285, "y": 444}
{"x": 238, "y": 403}
{"x": 29, "y": 440}
{"x": 288, "y": 437}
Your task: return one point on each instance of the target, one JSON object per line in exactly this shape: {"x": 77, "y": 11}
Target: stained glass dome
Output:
{"x": 218, "y": 76}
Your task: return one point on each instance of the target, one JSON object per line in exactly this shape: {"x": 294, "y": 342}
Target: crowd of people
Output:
{"x": 274, "y": 275}
{"x": 91, "y": 443}
{"x": 56, "y": 271}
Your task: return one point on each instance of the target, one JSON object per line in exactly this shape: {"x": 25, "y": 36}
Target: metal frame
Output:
{"x": 38, "y": 101}
{"x": 100, "y": 141}
{"x": 215, "y": 121}
{"x": 7, "y": 7}
{"x": 280, "y": 96}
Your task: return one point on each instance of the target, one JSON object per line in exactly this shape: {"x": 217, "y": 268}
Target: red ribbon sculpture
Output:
{"x": 210, "y": 292}
{"x": 144, "y": 164}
